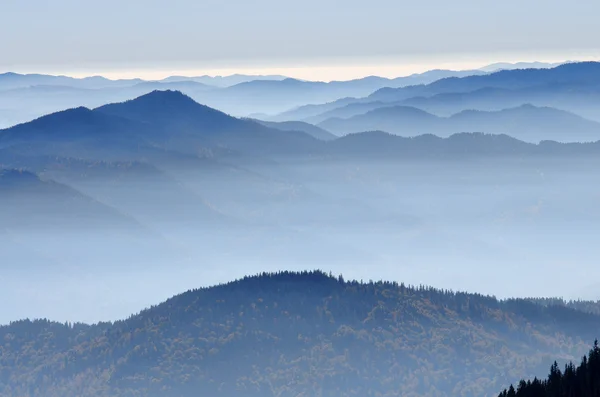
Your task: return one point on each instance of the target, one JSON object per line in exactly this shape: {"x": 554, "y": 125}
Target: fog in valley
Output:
{"x": 80, "y": 234}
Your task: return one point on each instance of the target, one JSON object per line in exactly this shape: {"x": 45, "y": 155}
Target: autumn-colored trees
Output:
{"x": 288, "y": 333}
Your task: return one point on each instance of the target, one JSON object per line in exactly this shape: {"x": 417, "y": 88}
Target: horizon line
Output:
{"x": 305, "y": 73}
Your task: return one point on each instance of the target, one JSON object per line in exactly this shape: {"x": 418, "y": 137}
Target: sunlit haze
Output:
{"x": 328, "y": 70}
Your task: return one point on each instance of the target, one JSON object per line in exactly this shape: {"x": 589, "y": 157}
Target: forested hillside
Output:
{"x": 289, "y": 334}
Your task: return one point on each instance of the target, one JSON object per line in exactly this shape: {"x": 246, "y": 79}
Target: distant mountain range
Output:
{"x": 528, "y": 123}
{"x": 572, "y": 87}
{"x": 25, "y": 97}
{"x": 494, "y": 67}
{"x": 172, "y": 121}
{"x": 583, "y": 74}
{"x": 222, "y": 81}
{"x": 10, "y": 81}
{"x": 274, "y": 96}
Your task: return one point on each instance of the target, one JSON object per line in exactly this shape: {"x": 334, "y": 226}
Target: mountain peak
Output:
{"x": 164, "y": 107}
{"x": 165, "y": 96}
{"x": 163, "y": 99}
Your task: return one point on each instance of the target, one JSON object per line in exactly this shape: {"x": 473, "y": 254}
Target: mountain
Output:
{"x": 432, "y": 75}
{"x": 583, "y": 100}
{"x": 310, "y": 129}
{"x": 389, "y": 119}
{"x": 573, "y": 87}
{"x": 296, "y": 333}
{"x": 11, "y": 80}
{"x": 79, "y": 132}
{"x": 276, "y": 96}
{"x": 269, "y": 96}
{"x": 530, "y": 123}
{"x": 306, "y": 111}
{"x": 170, "y": 109}
{"x": 347, "y": 111}
{"x": 583, "y": 73}
{"x": 25, "y": 97}
{"x": 159, "y": 120}
{"x": 527, "y": 123}
{"x": 24, "y": 104}
{"x": 494, "y": 67}
{"x": 223, "y": 81}
{"x": 188, "y": 125}
{"x": 184, "y": 85}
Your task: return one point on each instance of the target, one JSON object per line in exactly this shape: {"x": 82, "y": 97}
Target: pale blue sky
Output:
{"x": 125, "y": 37}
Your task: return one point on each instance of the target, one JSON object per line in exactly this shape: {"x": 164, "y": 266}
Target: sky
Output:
{"x": 312, "y": 39}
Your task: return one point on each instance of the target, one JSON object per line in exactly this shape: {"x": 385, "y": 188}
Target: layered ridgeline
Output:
{"x": 580, "y": 381}
{"x": 289, "y": 334}
{"x": 526, "y": 122}
{"x": 571, "y": 87}
{"x": 24, "y": 97}
{"x": 160, "y": 123}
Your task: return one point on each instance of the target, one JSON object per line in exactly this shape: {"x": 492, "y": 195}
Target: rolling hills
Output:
{"x": 526, "y": 122}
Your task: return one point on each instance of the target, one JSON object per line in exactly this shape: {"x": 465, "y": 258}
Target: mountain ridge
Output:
{"x": 526, "y": 122}
{"x": 291, "y": 320}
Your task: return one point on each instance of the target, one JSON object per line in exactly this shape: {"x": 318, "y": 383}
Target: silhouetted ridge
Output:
{"x": 167, "y": 100}
{"x": 164, "y": 98}
{"x": 580, "y": 381}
